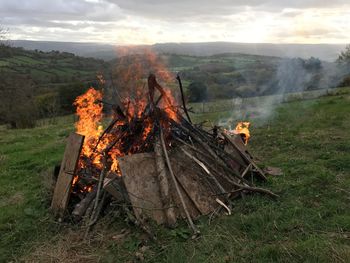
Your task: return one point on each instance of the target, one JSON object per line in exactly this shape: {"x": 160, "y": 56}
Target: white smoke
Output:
{"x": 294, "y": 79}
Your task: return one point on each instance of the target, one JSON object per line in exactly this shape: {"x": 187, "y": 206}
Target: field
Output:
{"x": 310, "y": 222}
{"x": 49, "y": 68}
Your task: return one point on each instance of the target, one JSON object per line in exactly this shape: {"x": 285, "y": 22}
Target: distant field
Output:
{"x": 50, "y": 67}
{"x": 310, "y": 222}
{"x": 257, "y": 103}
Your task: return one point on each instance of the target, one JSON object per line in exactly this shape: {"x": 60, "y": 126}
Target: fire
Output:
{"x": 89, "y": 111}
{"x": 131, "y": 75}
{"x": 75, "y": 180}
{"x": 242, "y": 128}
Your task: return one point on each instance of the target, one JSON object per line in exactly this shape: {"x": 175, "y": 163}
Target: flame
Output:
{"x": 242, "y": 128}
{"x": 89, "y": 111}
{"x": 131, "y": 73}
{"x": 75, "y": 180}
{"x": 169, "y": 106}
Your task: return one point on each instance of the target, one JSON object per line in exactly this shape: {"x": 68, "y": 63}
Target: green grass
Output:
{"x": 24, "y": 201}
{"x": 310, "y": 222}
{"x": 45, "y": 68}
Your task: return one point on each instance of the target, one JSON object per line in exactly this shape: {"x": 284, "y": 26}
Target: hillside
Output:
{"x": 49, "y": 68}
{"x": 229, "y": 75}
{"x": 310, "y": 221}
{"x": 328, "y": 52}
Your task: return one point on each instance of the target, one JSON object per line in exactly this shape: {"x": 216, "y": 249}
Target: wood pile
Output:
{"x": 177, "y": 171}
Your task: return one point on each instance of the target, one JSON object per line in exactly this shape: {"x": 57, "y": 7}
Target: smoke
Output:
{"x": 294, "y": 79}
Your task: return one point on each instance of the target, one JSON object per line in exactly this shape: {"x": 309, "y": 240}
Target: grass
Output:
{"x": 310, "y": 222}
{"x": 45, "y": 68}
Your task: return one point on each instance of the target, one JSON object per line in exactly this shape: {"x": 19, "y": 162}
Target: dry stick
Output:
{"x": 218, "y": 149}
{"x": 110, "y": 126}
{"x": 98, "y": 209}
{"x": 246, "y": 170}
{"x": 244, "y": 156}
{"x": 242, "y": 187}
{"x": 249, "y": 188}
{"x": 183, "y": 98}
{"x": 100, "y": 182}
{"x": 163, "y": 183}
{"x": 222, "y": 190}
{"x": 208, "y": 138}
{"x": 255, "y": 189}
{"x": 194, "y": 228}
{"x": 232, "y": 192}
{"x": 152, "y": 84}
{"x": 214, "y": 156}
{"x": 94, "y": 213}
{"x": 81, "y": 207}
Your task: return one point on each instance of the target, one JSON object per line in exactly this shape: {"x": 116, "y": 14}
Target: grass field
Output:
{"x": 310, "y": 222}
{"x": 50, "y": 67}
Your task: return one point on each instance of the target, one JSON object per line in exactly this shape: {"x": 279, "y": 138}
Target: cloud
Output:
{"x": 141, "y": 21}
{"x": 60, "y": 10}
{"x": 184, "y": 9}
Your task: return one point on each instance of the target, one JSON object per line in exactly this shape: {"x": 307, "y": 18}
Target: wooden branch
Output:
{"x": 222, "y": 190}
{"x": 247, "y": 169}
{"x": 99, "y": 188}
{"x": 249, "y": 188}
{"x": 81, "y": 207}
{"x": 249, "y": 160}
{"x": 163, "y": 183}
{"x": 107, "y": 130}
{"x": 152, "y": 84}
{"x": 258, "y": 190}
{"x": 192, "y": 225}
{"x": 183, "y": 98}
{"x": 213, "y": 155}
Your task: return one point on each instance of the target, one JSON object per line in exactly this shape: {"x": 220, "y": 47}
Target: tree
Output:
{"x": 313, "y": 64}
{"x": 67, "y": 95}
{"x": 48, "y": 105}
{"x": 344, "y": 67}
{"x": 344, "y": 56}
{"x": 17, "y": 106}
{"x": 197, "y": 92}
{"x": 2, "y": 33}
{"x": 3, "y": 36}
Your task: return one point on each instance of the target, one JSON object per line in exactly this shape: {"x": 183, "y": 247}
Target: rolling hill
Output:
{"x": 328, "y": 52}
{"x": 49, "y": 68}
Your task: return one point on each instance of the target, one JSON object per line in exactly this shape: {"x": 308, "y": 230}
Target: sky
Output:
{"x": 155, "y": 21}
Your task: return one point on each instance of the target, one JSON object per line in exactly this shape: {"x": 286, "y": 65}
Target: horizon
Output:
{"x": 157, "y": 43}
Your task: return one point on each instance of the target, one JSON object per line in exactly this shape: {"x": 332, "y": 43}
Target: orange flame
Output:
{"x": 89, "y": 111}
{"x": 242, "y": 128}
{"x": 132, "y": 73}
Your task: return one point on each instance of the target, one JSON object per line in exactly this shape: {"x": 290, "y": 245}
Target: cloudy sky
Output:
{"x": 156, "y": 21}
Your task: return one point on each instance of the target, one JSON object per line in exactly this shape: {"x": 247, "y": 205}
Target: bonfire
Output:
{"x": 153, "y": 159}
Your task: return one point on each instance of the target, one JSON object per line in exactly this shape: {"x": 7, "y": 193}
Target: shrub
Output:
{"x": 17, "y": 105}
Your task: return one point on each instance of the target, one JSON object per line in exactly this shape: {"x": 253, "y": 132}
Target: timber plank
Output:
{"x": 65, "y": 177}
